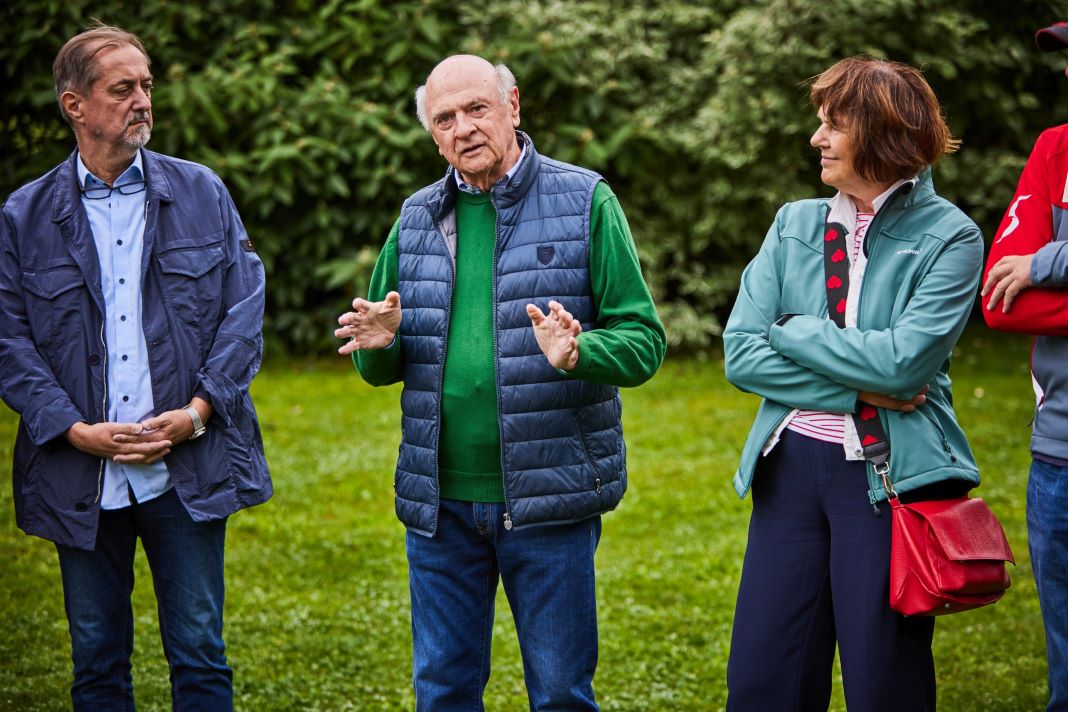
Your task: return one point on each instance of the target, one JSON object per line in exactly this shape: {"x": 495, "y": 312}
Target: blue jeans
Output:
{"x": 186, "y": 559}
{"x": 547, "y": 572}
{"x": 1047, "y": 536}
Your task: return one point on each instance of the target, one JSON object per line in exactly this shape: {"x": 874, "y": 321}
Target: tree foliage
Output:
{"x": 696, "y": 113}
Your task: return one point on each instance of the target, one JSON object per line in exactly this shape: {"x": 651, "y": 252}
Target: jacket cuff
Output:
{"x": 1044, "y": 265}
{"x": 850, "y": 403}
{"x": 223, "y": 394}
{"x": 781, "y": 338}
{"x": 51, "y": 420}
{"x": 775, "y": 336}
{"x": 782, "y": 331}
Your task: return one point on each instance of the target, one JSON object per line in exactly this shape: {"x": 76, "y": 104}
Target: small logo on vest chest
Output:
{"x": 546, "y": 253}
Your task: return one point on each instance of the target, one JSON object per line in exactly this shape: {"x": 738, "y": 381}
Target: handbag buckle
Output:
{"x": 883, "y": 470}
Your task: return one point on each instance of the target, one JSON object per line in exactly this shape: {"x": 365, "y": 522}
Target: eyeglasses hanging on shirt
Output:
{"x": 99, "y": 192}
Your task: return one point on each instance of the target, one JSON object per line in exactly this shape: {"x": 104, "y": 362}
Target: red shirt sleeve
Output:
{"x": 1028, "y": 226}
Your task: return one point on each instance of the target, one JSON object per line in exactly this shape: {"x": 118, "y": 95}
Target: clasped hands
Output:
{"x": 373, "y": 325}
{"x": 140, "y": 443}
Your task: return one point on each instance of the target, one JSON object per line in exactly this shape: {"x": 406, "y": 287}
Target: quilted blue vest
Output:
{"x": 562, "y": 451}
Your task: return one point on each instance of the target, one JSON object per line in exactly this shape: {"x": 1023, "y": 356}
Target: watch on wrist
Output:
{"x": 198, "y": 424}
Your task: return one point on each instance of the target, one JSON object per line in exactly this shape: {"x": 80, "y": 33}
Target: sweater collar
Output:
{"x": 504, "y": 194}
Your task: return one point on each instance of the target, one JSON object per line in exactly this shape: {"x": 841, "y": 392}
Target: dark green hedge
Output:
{"x": 694, "y": 112}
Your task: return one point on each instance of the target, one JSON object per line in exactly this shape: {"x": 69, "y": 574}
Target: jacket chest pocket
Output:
{"x": 56, "y": 303}
{"x": 803, "y": 287}
{"x": 191, "y": 280}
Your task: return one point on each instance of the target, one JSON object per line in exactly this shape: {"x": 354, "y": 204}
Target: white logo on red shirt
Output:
{"x": 1015, "y": 220}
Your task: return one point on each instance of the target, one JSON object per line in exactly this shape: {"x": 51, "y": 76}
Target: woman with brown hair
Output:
{"x": 844, "y": 323}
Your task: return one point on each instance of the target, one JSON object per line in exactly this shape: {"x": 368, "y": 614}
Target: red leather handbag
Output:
{"x": 946, "y": 556}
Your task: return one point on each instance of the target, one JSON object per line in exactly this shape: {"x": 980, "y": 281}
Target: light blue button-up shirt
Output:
{"x": 118, "y": 227}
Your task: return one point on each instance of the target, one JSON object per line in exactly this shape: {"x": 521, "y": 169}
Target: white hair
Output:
{"x": 505, "y": 85}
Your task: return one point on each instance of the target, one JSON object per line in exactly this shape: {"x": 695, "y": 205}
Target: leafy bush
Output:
{"x": 715, "y": 119}
{"x": 695, "y": 114}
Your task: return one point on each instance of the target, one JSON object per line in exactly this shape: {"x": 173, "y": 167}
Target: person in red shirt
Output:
{"x": 1025, "y": 290}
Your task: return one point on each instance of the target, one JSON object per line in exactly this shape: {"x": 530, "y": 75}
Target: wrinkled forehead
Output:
{"x": 462, "y": 75}
{"x": 121, "y": 61}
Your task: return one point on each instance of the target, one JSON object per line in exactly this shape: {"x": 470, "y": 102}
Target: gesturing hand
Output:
{"x": 1006, "y": 279}
{"x": 370, "y": 325}
{"x": 557, "y": 334}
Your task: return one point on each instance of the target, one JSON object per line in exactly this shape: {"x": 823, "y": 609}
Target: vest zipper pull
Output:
{"x": 507, "y": 522}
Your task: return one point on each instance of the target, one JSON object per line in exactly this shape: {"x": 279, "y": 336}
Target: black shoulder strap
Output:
{"x": 836, "y": 271}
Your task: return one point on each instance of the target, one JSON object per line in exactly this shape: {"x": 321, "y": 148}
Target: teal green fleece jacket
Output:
{"x": 924, "y": 261}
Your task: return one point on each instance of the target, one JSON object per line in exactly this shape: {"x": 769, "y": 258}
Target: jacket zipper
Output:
{"x": 496, "y": 359}
{"x": 589, "y": 460}
{"x": 869, "y": 238}
{"x": 104, "y": 411}
{"x": 441, "y": 377}
{"x": 938, "y": 427}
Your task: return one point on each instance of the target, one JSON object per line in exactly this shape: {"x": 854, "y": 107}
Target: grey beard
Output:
{"x": 139, "y": 137}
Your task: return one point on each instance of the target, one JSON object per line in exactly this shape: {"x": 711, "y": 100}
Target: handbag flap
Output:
{"x": 965, "y": 528}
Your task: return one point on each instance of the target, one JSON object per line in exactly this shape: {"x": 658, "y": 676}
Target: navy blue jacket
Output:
{"x": 562, "y": 451}
{"x": 202, "y": 305}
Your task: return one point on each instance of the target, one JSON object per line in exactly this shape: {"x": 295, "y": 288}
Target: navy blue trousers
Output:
{"x": 817, "y": 575}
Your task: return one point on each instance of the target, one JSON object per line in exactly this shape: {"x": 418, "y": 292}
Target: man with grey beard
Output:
{"x": 131, "y": 306}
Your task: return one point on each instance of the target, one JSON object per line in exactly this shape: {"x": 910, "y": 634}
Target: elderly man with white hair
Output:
{"x": 509, "y": 300}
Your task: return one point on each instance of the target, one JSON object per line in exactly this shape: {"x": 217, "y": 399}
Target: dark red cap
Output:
{"x": 1052, "y": 38}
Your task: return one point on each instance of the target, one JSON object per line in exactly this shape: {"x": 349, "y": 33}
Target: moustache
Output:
{"x": 138, "y": 117}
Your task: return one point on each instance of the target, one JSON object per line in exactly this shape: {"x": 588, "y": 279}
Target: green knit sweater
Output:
{"x": 626, "y": 350}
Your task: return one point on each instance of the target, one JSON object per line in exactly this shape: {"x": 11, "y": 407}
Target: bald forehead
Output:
{"x": 459, "y": 71}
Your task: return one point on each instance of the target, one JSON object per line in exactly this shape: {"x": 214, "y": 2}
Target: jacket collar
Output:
{"x": 67, "y": 197}
{"x": 911, "y": 194}
{"x": 907, "y": 195}
{"x": 159, "y": 186}
{"x": 505, "y": 193}
{"x": 510, "y": 191}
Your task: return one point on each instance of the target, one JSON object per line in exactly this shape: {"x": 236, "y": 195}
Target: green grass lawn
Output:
{"x": 317, "y": 601}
